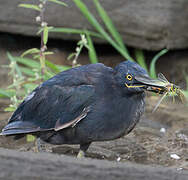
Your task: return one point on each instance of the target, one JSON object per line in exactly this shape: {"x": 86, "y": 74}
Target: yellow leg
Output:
{"x": 40, "y": 145}
{"x": 81, "y": 154}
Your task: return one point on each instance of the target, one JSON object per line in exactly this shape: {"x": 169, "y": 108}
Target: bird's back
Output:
{"x": 58, "y": 100}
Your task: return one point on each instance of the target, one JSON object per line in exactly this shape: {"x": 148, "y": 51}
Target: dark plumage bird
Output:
{"x": 84, "y": 104}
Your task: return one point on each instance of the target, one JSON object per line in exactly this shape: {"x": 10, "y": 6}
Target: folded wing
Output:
{"x": 51, "y": 107}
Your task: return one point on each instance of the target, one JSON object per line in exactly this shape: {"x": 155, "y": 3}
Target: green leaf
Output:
{"x": 36, "y": 56}
{"x": 109, "y": 24}
{"x": 10, "y": 109}
{"x": 92, "y": 20}
{"x": 12, "y": 59}
{"x": 48, "y": 75}
{"x": 152, "y": 71}
{"x": 52, "y": 66}
{"x": 58, "y": 2}
{"x": 75, "y": 31}
{"x": 28, "y": 62}
{"x": 56, "y": 68}
{"x": 63, "y": 68}
{"x": 27, "y": 71}
{"x": 141, "y": 59}
{"x": 48, "y": 53}
{"x": 71, "y": 56}
{"x": 186, "y": 94}
{"x": 30, "y": 6}
{"x": 45, "y": 35}
{"x": 42, "y": 29}
{"x": 45, "y": 53}
{"x": 4, "y": 93}
{"x": 30, "y": 138}
{"x": 30, "y": 51}
{"x": 91, "y": 51}
{"x": 30, "y": 86}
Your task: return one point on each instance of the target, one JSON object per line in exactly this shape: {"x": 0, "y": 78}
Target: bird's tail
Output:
{"x": 19, "y": 127}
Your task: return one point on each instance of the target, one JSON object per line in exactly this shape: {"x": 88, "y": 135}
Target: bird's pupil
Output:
{"x": 129, "y": 77}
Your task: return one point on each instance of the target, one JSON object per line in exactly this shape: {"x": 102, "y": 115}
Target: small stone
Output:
{"x": 175, "y": 156}
{"x": 179, "y": 169}
{"x": 183, "y": 137}
{"x": 163, "y": 130}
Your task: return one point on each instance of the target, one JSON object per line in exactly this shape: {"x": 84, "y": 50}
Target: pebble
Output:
{"x": 179, "y": 169}
{"x": 163, "y": 130}
{"x": 118, "y": 159}
{"x": 175, "y": 156}
{"x": 183, "y": 137}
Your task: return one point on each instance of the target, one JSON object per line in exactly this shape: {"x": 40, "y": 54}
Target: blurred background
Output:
{"x": 152, "y": 33}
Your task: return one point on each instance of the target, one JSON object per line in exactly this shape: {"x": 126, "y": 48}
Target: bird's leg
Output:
{"x": 83, "y": 149}
{"x": 81, "y": 154}
{"x": 40, "y": 145}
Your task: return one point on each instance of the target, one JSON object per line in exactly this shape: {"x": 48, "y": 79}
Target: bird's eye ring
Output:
{"x": 129, "y": 77}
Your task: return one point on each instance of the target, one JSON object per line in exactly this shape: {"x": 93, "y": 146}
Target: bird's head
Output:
{"x": 134, "y": 79}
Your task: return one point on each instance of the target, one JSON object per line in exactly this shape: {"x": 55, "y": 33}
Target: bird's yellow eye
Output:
{"x": 129, "y": 77}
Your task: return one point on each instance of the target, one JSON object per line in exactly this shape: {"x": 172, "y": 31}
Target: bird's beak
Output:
{"x": 154, "y": 85}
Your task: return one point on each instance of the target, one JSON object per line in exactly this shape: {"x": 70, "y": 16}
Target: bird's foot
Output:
{"x": 81, "y": 154}
{"x": 40, "y": 145}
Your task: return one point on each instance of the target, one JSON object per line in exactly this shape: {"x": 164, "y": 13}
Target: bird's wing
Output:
{"x": 59, "y": 102}
{"x": 51, "y": 107}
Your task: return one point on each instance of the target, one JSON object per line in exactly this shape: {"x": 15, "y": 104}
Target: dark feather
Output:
{"x": 58, "y": 103}
{"x": 81, "y": 105}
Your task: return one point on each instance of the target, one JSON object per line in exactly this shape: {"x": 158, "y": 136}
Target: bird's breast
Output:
{"x": 138, "y": 110}
{"x": 113, "y": 118}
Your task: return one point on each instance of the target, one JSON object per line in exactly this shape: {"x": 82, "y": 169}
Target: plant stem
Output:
{"x": 42, "y": 46}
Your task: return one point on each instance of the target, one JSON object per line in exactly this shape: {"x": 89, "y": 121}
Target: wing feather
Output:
{"x": 59, "y": 102}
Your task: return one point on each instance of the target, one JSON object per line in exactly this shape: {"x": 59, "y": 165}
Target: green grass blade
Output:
{"x": 91, "y": 51}
{"x": 110, "y": 26}
{"x": 141, "y": 59}
{"x": 92, "y": 20}
{"x": 152, "y": 71}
